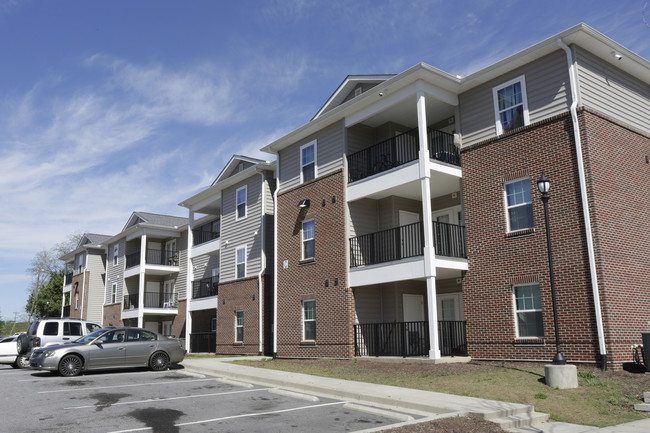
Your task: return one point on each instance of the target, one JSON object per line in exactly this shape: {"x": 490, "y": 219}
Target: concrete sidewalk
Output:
{"x": 510, "y": 416}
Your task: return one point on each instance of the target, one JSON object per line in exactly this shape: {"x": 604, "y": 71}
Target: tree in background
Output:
{"x": 43, "y": 267}
{"x": 49, "y": 297}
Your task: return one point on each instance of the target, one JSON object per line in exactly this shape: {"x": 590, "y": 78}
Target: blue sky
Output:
{"x": 111, "y": 107}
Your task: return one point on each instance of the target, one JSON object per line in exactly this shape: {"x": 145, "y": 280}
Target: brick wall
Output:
{"x": 112, "y": 315}
{"x": 238, "y": 295}
{"x": 497, "y": 261}
{"x": 306, "y": 280}
{"x": 618, "y": 183}
{"x": 178, "y": 325}
{"x": 77, "y": 287}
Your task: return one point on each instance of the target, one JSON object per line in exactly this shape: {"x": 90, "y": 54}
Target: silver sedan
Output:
{"x": 110, "y": 348}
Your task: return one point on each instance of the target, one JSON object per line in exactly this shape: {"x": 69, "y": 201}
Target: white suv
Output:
{"x": 50, "y": 332}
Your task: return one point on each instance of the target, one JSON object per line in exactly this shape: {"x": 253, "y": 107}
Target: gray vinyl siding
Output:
{"x": 235, "y": 234}
{"x": 359, "y": 137}
{"x": 383, "y": 303}
{"x": 204, "y": 265}
{"x": 612, "y": 92}
{"x": 115, "y": 273}
{"x": 367, "y": 304}
{"x": 96, "y": 269}
{"x": 388, "y": 210}
{"x": 364, "y": 88}
{"x": 363, "y": 217}
{"x": 330, "y": 144}
{"x": 181, "y": 279}
{"x": 547, "y": 88}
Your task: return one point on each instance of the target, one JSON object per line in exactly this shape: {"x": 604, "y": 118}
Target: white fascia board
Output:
{"x": 210, "y": 303}
{"x": 383, "y": 181}
{"x": 408, "y": 269}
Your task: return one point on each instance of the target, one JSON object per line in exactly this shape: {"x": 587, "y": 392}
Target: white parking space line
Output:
{"x": 125, "y": 385}
{"x": 245, "y": 415}
{"x": 158, "y": 400}
{"x": 121, "y": 374}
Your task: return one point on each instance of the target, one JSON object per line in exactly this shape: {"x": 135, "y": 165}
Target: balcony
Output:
{"x": 151, "y": 300}
{"x": 205, "y": 287}
{"x": 153, "y": 257}
{"x": 404, "y": 242}
{"x": 409, "y": 339}
{"x": 400, "y": 150}
{"x": 68, "y": 278}
{"x": 201, "y": 236}
{"x": 203, "y": 342}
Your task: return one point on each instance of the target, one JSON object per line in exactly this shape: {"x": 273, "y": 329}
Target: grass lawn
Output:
{"x": 602, "y": 399}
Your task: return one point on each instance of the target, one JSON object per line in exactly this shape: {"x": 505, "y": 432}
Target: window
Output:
{"x": 116, "y": 251}
{"x": 51, "y": 328}
{"x": 72, "y": 328}
{"x": 528, "y": 311}
{"x": 76, "y": 301}
{"x": 511, "y": 105}
{"x": 239, "y": 326}
{"x": 240, "y": 257}
{"x": 213, "y": 325}
{"x": 358, "y": 91}
{"x": 309, "y": 320}
{"x": 113, "y": 293}
{"x": 519, "y": 205}
{"x": 241, "y": 203}
{"x": 308, "y": 162}
{"x": 308, "y": 242}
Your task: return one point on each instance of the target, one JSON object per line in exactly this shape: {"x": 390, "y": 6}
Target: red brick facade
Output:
{"x": 323, "y": 279}
{"x": 78, "y": 290}
{"x": 112, "y": 315}
{"x": 498, "y": 261}
{"x": 242, "y": 295}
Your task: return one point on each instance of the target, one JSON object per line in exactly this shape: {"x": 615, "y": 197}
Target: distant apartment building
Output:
{"x": 230, "y": 265}
{"x": 84, "y": 277}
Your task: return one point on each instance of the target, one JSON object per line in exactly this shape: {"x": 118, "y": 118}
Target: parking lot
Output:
{"x": 168, "y": 401}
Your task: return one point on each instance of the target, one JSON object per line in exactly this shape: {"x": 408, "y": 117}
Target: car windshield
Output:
{"x": 90, "y": 337}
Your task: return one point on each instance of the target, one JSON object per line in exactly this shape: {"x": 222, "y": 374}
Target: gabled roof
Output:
{"x": 344, "y": 89}
{"x": 92, "y": 240}
{"x": 232, "y": 165}
{"x": 155, "y": 219}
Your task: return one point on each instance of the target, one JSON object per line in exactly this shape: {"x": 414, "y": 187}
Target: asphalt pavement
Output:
{"x": 511, "y": 416}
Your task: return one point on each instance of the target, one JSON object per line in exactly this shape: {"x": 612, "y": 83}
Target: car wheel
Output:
{"x": 22, "y": 344}
{"x": 14, "y": 365}
{"x": 70, "y": 365}
{"x": 22, "y": 361}
{"x": 159, "y": 361}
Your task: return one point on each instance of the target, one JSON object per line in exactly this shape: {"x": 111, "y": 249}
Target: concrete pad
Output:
{"x": 561, "y": 376}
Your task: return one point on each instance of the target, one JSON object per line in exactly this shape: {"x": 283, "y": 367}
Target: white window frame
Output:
{"x": 237, "y": 262}
{"x": 305, "y": 320}
{"x": 524, "y": 101}
{"x": 116, "y": 253}
{"x": 113, "y": 293}
{"x": 213, "y": 325}
{"x": 302, "y": 163}
{"x": 305, "y": 240}
{"x": 239, "y": 326}
{"x": 245, "y": 203}
{"x": 532, "y": 310}
{"x": 507, "y": 207}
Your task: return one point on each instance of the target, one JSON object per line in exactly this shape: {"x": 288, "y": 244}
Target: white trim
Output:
{"x": 245, "y": 188}
{"x": 534, "y": 310}
{"x": 239, "y": 326}
{"x": 303, "y": 337}
{"x": 239, "y": 248}
{"x": 116, "y": 253}
{"x": 524, "y": 101}
{"x": 304, "y": 146}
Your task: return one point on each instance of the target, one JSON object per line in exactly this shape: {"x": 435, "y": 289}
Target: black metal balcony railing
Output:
{"x": 151, "y": 300}
{"x": 406, "y": 241}
{"x": 131, "y": 301}
{"x": 201, "y": 237}
{"x": 205, "y": 287}
{"x": 400, "y": 150}
{"x": 153, "y": 257}
{"x": 408, "y": 339}
{"x": 68, "y": 278}
{"x": 203, "y": 342}
{"x": 66, "y": 311}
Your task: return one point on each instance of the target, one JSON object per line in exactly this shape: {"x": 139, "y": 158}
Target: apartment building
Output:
{"x": 408, "y": 220}
{"x": 84, "y": 277}
{"x": 145, "y": 278}
{"x": 230, "y": 260}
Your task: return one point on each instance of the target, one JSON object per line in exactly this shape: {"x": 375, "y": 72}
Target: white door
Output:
{"x": 449, "y": 307}
{"x": 168, "y": 294}
{"x": 154, "y": 253}
{"x": 409, "y": 245}
{"x": 151, "y": 326}
{"x": 413, "y": 306}
{"x": 171, "y": 256}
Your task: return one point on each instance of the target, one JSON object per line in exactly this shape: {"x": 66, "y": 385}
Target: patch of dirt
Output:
{"x": 460, "y": 424}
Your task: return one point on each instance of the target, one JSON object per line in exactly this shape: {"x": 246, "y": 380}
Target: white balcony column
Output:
{"x": 427, "y": 226}
{"x": 141, "y": 282}
{"x": 190, "y": 278}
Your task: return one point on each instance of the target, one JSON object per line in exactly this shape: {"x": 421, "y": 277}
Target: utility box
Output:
{"x": 646, "y": 350}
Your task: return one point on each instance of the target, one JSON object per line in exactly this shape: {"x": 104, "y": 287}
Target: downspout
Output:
{"x": 105, "y": 284}
{"x": 263, "y": 264}
{"x": 83, "y": 285}
{"x": 585, "y": 203}
{"x": 274, "y": 326}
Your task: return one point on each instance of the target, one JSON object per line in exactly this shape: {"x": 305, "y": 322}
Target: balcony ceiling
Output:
{"x": 405, "y": 112}
{"x": 440, "y": 184}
